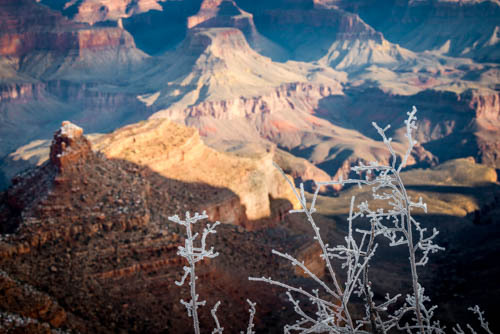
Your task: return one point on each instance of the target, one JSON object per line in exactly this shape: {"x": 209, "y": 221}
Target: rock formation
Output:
{"x": 94, "y": 234}
{"x": 177, "y": 152}
{"x": 219, "y": 79}
{"x": 467, "y": 28}
{"x": 295, "y": 82}
{"x": 225, "y": 14}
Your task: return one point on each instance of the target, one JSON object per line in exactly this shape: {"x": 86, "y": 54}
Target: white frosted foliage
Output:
{"x": 412, "y": 313}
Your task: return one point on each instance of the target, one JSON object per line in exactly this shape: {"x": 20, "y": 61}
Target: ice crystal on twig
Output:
{"x": 194, "y": 255}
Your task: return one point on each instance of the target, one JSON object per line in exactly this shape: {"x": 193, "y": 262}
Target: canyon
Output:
{"x": 119, "y": 198}
{"x": 187, "y": 105}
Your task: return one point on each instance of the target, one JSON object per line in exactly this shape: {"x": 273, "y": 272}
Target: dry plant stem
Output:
{"x": 340, "y": 293}
{"x": 369, "y": 300}
{"x": 192, "y": 284}
{"x": 330, "y": 268}
{"x": 194, "y": 254}
{"x": 411, "y": 250}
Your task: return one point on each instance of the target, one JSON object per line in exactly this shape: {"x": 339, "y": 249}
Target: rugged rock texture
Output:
{"x": 466, "y": 124}
{"x": 20, "y": 91}
{"x": 68, "y": 146}
{"x": 17, "y": 40}
{"x": 288, "y": 114}
{"x": 42, "y": 106}
{"x": 93, "y": 234}
{"x": 29, "y": 27}
{"x": 222, "y": 13}
{"x": 178, "y": 153}
{"x": 226, "y": 13}
{"x": 218, "y": 80}
{"x": 92, "y": 231}
{"x": 32, "y": 310}
{"x": 52, "y": 69}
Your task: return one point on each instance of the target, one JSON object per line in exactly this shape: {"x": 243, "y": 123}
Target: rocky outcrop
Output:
{"x": 227, "y": 14}
{"x": 17, "y": 40}
{"x": 97, "y": 108}
{"x": 96, "y": 234}
{"x": 56, "y": 65}
{"x": 281, "y": 98}
{"x": 485, "y": 103}
{"x": 172, "y": 150}
{"x": 28, "y": 27}
{"x": 222, "y": 13}
{"x": 287, "y": 26}
{"x": 97, "y": 11}
{"x": 69, "y": 146}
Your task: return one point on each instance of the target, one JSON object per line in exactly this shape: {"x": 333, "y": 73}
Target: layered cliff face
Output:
{"x": 232, "y": 189}
{"x": 94, "y": 234}
{"x": 27, "y": 26}
{"x": 29, "y": 29}
{"x": 296, "y": 26}
{"x": 465, "y": 28}
{"x": 465, "y": 124}
{"x": 52, "y": 69}
{"x": 217, "y": 79}
{"x": 264, "y": 109}
{"x": 41, "y": 106}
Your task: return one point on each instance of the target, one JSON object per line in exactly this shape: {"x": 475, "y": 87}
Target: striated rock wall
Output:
{"x": 29, "y": 27}
{"x": 279, "y": 99}
{"x": 467, "y": 28}
{"x": 21, "y": 91}
{"x": 68, "y": 146}
{"x": 222, "y": 13}
{"x": 30, "y": 303}
{"x": 97, "y": 239}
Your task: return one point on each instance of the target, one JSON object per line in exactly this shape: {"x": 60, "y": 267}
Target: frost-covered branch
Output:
{"x": 480, "y": 316}
{"x": 331, "y": 300}
{"x": 193, "y": 255}
{"x": 251, "y": 317}
{"x": 396, "y": 224}
{"x": 196, "y": 254}
{"x": 218, "y": 329}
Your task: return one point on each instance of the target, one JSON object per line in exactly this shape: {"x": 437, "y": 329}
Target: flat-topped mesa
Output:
{"x": 68, "y": 146}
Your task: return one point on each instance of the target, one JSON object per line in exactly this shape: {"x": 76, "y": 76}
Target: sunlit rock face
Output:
{"x": 175, "y": 152}
{"x": 70, "y": 212}
{"x": 225, "y": 70}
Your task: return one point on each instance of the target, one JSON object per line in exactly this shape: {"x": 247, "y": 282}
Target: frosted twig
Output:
{"x": 251, "y": 325}
{"x": 193, "y": 255}
{"x": 218, "y": 329}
